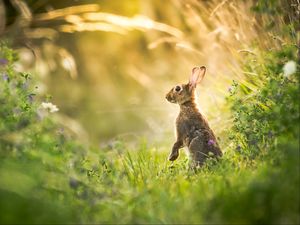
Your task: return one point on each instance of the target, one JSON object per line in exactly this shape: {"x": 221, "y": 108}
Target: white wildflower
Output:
{"x": 49, "y": 106}
{"x": 289, "y": 68}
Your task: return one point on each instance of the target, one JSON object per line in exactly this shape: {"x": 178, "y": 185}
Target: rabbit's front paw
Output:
{"x": 174, "y": 155}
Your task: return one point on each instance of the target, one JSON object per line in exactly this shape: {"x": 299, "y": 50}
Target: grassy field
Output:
{"x": 51, "y": 174}
{"x": 47, "y": 176}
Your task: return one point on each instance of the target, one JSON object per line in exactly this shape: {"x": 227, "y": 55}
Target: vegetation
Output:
{"x": 50, "y": 174}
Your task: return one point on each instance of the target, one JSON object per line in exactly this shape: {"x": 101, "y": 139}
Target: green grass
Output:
{"x": 139, "y": 186}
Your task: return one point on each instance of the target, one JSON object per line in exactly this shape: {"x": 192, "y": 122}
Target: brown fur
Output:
{"x": 192, "y": 129}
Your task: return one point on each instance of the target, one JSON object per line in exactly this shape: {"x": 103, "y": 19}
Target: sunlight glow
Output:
{"x": 116, "y": 23}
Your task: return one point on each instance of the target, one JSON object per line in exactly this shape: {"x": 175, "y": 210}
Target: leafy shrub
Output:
{"x": 266, "y": 134}
{"x": 270, "y": 108}
{"x": 37, "y": 159}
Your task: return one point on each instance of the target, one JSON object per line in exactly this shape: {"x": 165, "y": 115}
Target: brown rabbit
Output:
{"x": 192, "y": 130}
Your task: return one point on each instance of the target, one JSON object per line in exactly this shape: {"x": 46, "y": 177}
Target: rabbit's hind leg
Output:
{"x": 198, "y": 152}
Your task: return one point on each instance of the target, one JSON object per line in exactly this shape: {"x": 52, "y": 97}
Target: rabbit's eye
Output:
{"x": 177, "y": 88}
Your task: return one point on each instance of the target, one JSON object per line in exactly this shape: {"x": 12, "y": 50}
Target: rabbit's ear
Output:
{"x": 197, "y": 76}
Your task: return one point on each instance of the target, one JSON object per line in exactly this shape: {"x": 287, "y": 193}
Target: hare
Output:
{"x": 192, "y": 129}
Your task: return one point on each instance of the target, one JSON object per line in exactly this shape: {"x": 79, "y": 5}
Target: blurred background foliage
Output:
{"x": 119, "y": 58}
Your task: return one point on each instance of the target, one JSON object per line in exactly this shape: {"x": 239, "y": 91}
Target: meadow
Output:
{"x": 53, "y": 170}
